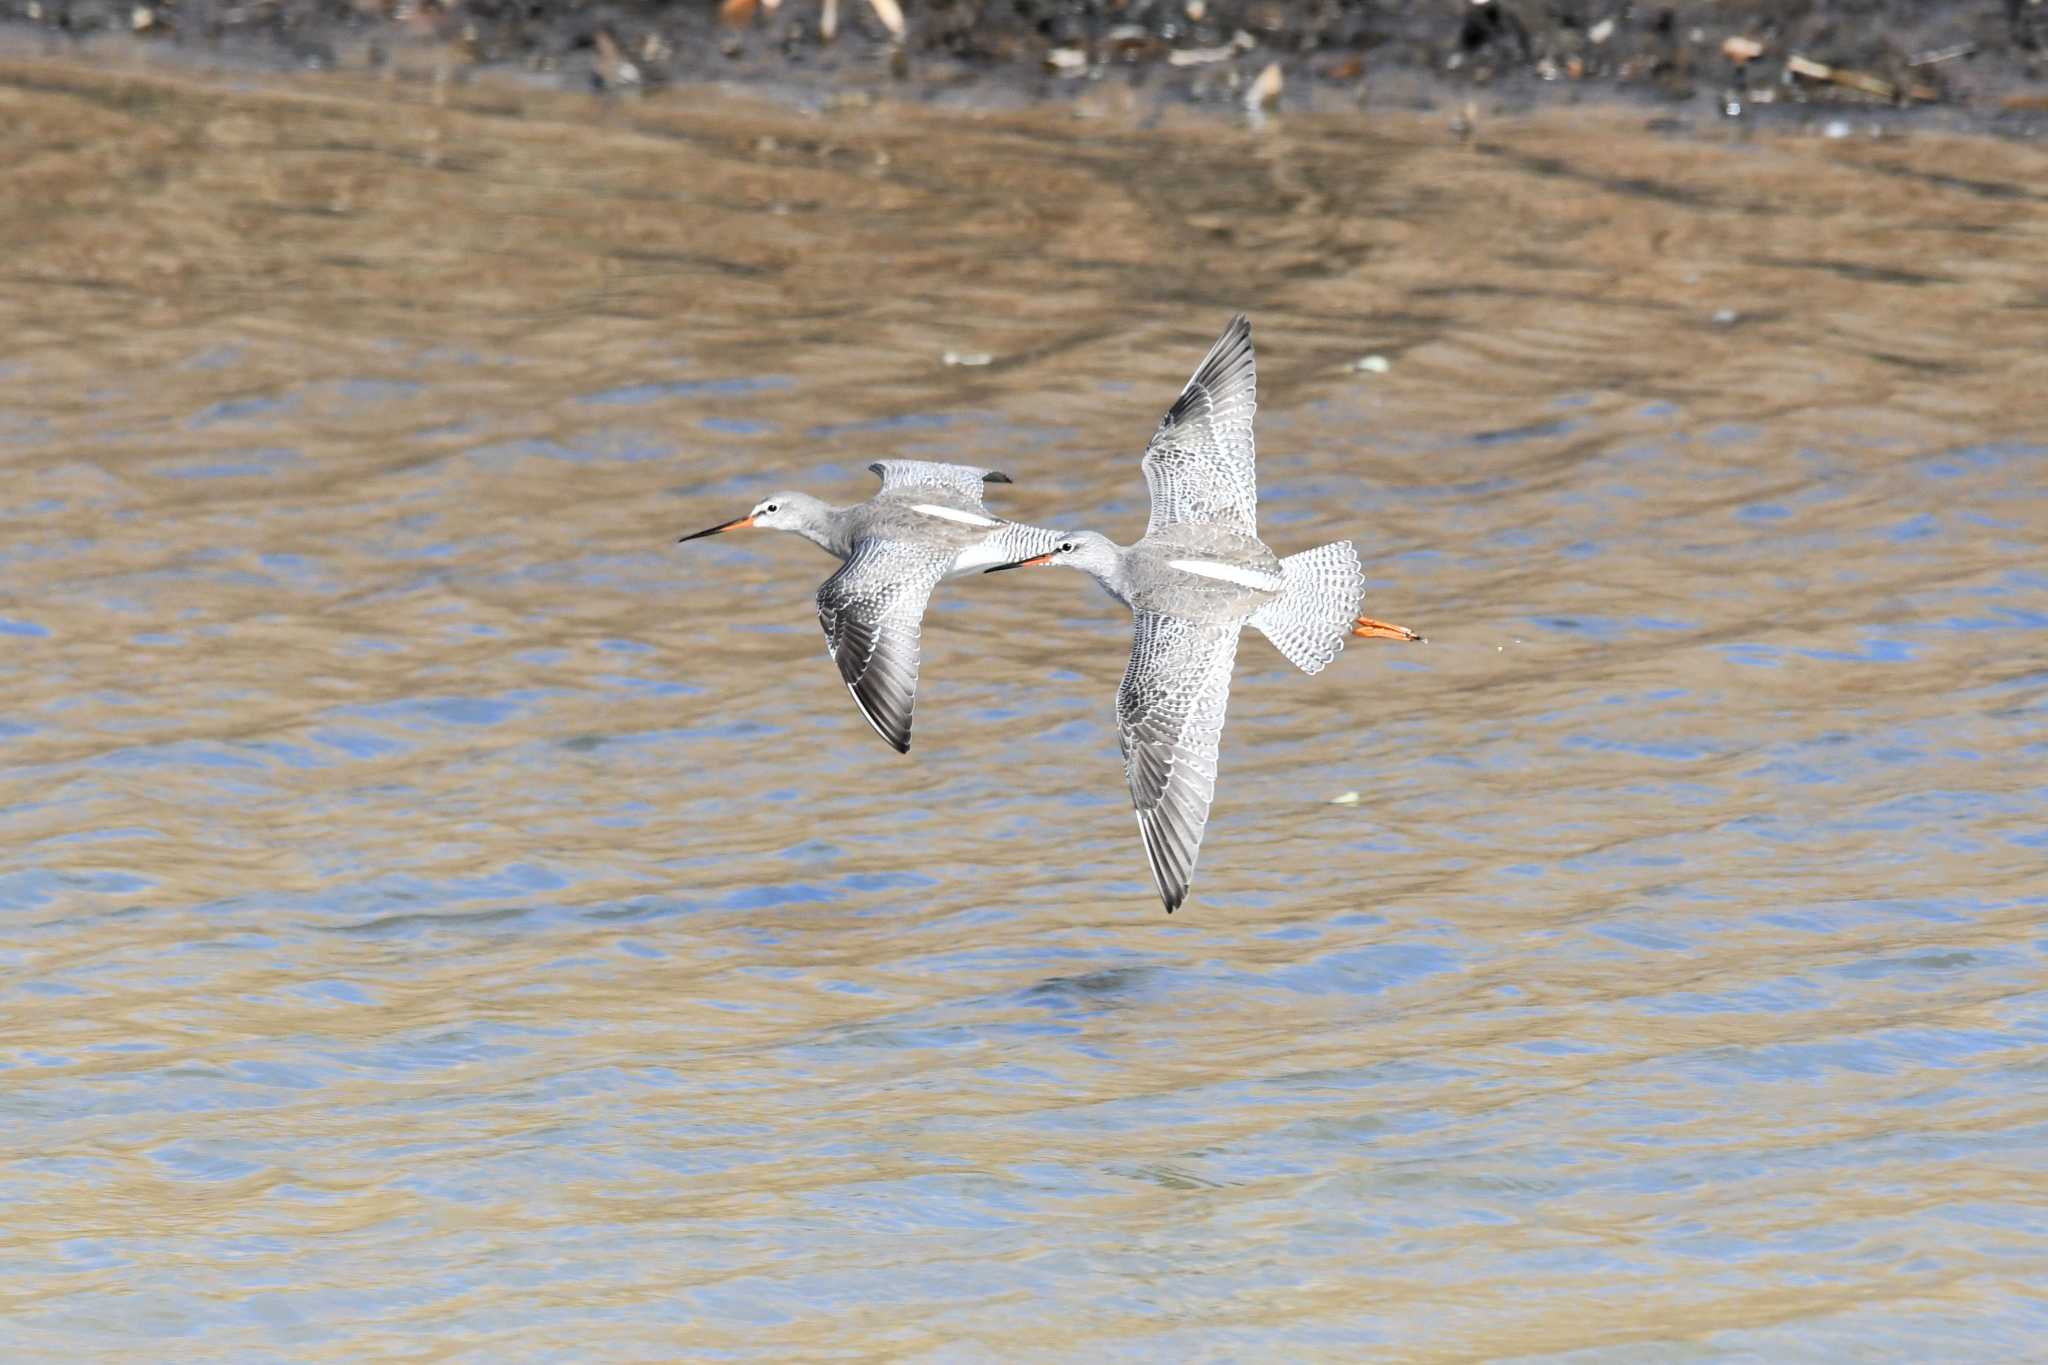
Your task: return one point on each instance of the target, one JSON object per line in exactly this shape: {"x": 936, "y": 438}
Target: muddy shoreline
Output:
{"x": 1978, "y": 65}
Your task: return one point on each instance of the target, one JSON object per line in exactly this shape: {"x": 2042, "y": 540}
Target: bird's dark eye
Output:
{"x": 769, "y": 508}
{"x": 1066, "y": 545}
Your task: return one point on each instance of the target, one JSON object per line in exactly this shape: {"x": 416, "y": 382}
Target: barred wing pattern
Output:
{"x": 957, "y": 478}
{"x": 1013, "y": 541}
{"x": 1170, "y": 722}
{"x": 871, "y": 610}
{"x": 1200, "y": 463}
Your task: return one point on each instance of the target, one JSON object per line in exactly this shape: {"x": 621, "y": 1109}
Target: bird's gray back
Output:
{"x": 1156, "y": 568}
{"x": 935, "y": 518}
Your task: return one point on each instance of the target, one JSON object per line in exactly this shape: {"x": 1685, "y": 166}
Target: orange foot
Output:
{"x": 1382, "y": 630}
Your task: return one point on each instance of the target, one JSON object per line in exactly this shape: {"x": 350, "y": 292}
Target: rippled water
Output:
{"x": 447, "y": 920}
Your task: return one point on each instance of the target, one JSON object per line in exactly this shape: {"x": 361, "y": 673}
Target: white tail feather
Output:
{"x": 1309, "y": 620}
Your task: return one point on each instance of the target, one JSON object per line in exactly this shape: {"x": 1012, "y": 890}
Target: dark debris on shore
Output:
{"x": 1987, "y": 58}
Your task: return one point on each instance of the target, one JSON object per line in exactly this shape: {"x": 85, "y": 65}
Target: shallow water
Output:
{"x": 447, "y": 920}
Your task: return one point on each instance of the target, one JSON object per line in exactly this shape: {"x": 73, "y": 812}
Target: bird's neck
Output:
{"x": 1116, "y": 580}
{"x": 828, "y": 531}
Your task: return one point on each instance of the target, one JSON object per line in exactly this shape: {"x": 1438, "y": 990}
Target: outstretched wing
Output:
{"x": 1200, "y": 462}
{"x": 1170, "y": 721}
{"x": 965, "y": 480}
{"x": 871, "y": 611}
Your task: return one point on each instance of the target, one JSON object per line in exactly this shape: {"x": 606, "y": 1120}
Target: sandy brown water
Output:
{"x": 446, "y": 920}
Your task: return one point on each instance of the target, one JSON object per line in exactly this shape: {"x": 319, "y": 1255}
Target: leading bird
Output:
{"x": 1196, "y": 579}
{"x": 926, "y": 524}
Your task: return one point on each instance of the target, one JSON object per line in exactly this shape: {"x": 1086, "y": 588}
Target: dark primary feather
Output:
{"x": 1227, "y": 367}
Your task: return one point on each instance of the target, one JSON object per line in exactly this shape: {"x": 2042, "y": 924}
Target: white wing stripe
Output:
{"x": 954, "y": 514}
{"x": 1228, "y": 573}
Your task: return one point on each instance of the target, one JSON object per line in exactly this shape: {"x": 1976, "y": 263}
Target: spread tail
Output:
{"x": 1317, "y": 605}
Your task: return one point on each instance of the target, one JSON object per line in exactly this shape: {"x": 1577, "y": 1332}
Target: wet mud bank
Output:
{"x": 1967, "y": 64}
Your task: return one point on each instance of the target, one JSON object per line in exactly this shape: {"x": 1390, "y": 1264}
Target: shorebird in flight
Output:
{"x": 926, "y": 524}
{"x": 1195, "y": 580}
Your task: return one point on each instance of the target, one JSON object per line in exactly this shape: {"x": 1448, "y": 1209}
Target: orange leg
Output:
{"x": 1370, "y": 629}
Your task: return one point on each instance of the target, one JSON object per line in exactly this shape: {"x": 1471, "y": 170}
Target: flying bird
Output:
{"x": 926, "y": 524}
{"x": 1198, "y": 576}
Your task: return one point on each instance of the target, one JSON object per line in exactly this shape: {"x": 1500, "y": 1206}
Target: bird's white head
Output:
{"x": 787, "y": 512}
{"x": 798, "y": 512}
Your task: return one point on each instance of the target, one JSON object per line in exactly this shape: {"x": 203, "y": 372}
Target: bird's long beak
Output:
{"x": 1022, "y": 563}
{"x": 1370, "y": 629}
{"x": 715, "y": 530}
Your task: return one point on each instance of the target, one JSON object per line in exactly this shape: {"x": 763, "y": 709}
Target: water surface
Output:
{"x": 447, "y": 920}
